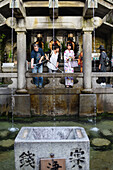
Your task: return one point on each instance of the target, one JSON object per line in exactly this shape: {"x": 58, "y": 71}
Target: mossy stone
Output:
{"x": 107, "y": 132}
{"x": 4, "y": 133}
{"x": 6, "y": 143}
{"x": 100, "y": 144}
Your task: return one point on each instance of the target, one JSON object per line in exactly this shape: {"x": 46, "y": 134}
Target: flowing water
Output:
{"x": 54, "y": 101}
{"x": 68, "y": 100}
{"x": 53, "y": 21}
{"x": 94, "y": 121}
{"x": 94, "y": 50}
{"x": 94, "y": 24}
{"x": 12, "y": 129}
{"x": 12, "y": 30}
{"x": 40, "y": 101}
{"x": 54, "y": 110}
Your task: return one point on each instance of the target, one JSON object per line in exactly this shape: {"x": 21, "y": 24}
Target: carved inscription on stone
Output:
{"x": 77, "y": 158}
{"x": 27, "y": 159}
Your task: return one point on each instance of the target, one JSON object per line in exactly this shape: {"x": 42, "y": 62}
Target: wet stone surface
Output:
{"x": 52, "y": 134}
{"x": 4, "y": 133}
{"x": 7, "y": 143}
{"x": 107, "y": 132}
{"x": 100, "y": 142}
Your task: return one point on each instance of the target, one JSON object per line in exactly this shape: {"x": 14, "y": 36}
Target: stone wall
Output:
{"x": 63, "y": 102}
{"x": 98, "y": 41}
{"x": 104, "y": 103}
{"x": 5, "y": 104}
{"x": 59, "y": 104}
{"x": 5, "y": 101}
{"x": 8, "y": 51}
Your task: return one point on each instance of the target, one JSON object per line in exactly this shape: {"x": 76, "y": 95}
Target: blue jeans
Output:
{"x": 38, "y": 80}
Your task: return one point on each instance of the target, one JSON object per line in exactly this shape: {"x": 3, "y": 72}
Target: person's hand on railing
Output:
{"x": 32, "y": 61}
{"x": 57, "y": 64}
{"x": 32, "y": 66}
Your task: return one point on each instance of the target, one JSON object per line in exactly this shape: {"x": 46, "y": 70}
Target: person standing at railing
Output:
{"x": 53, "y": 60}
{"x": 37, "y": 55}
{"x": 102, "y": 63}
{"x": 68, "y": 58}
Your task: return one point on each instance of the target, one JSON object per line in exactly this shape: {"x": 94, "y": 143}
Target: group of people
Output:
{"x": 37, "y": 57}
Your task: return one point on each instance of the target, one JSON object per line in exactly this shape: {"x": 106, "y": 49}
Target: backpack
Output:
{"x": 107, "y": 61}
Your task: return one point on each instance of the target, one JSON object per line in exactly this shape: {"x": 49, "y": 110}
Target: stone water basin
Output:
{"x": 34, "y": 144}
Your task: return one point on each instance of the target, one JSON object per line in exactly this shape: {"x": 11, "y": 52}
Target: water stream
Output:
{"x": 54, "y": 101}
{"x": 68, "y": 100}
{"x": 40, "y": 102}
{"x": 94, "y": 50}
{"x": 94, "y": 25}
{"x": 53, "y": 21}
{"x": 94, "y": 121}
{"x": 95, "y": 101}
{"x": 12, "y": 129}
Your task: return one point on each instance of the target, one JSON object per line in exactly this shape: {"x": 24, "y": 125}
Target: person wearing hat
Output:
{"x": 102, "y": 66}
{"x": 37, "y": 55}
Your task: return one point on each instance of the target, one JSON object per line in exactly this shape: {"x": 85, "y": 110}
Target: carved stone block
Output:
{"x": 33, "y": 144}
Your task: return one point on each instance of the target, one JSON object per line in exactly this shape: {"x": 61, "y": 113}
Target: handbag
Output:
{"x": 74, "y": 63}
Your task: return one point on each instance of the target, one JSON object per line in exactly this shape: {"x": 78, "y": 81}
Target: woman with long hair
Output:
{"x": 68, "y": 58}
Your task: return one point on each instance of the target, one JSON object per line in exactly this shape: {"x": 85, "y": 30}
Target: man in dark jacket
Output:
{"x": 37, "y": 55}
{"x": 102, "y": 66}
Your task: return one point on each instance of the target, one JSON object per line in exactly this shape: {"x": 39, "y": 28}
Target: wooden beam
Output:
{"x": 108, "y": 24}
{"x": 3, "y": 3}
{"x": 61, "y": 4}
{"x": 31, "y": 4}
{"x": 105, "y": 4}
{"x": 19, "y": 9}
{"x": 71, "y": 4}
{"x": 110, "y": 1}
{"x": 88, "y": 8}
{"x": 76, "y": 23}
{"x": 109, "y": 17}
{"x": 60, "y": 23}
{"x": 2, "y": 20}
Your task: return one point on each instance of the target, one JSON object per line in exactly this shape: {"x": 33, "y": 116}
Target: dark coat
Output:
{"x": 37, "y": 55}
{"x": 102, "y": 59}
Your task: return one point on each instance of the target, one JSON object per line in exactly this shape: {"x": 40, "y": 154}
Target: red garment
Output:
{"x": 80, "y": 61}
